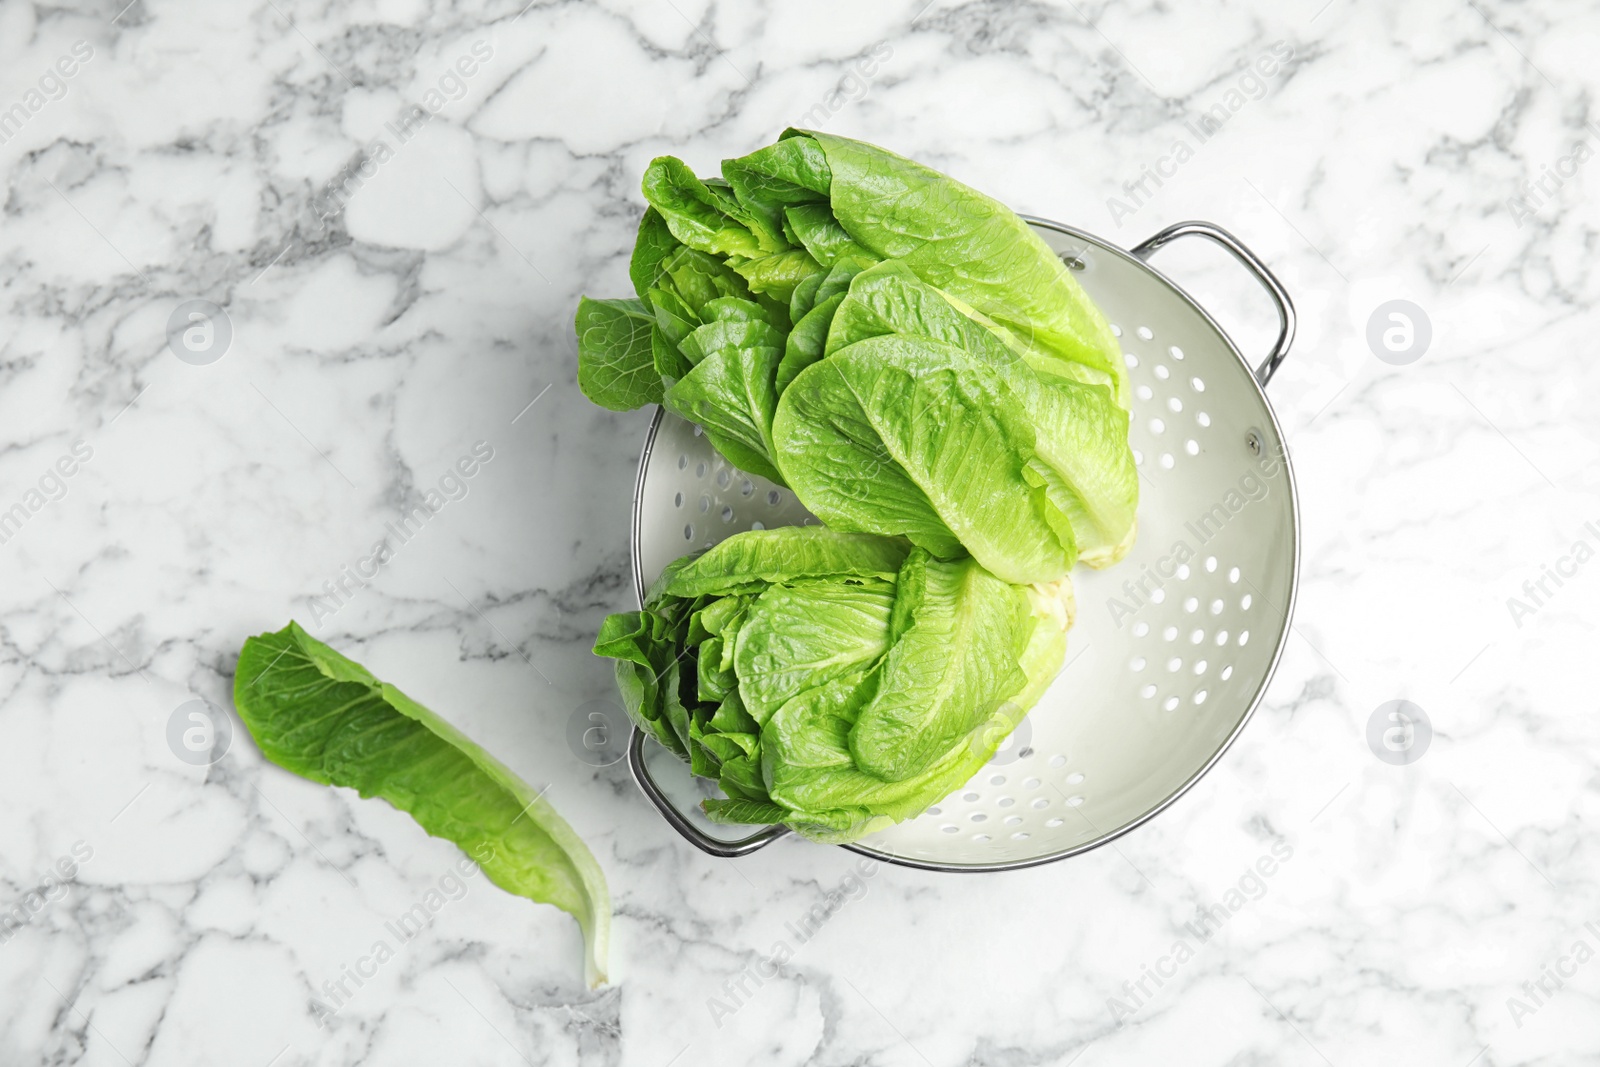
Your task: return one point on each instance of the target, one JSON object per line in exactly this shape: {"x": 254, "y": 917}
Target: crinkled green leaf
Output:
{"x": 798, "y": 636}
{"x": 894, "y": 436}
{"x": 616, "y": 364}
{"x": 948, "y": 671}
{"x": 763, "y": 557}
{"x": 731, "y": 394}
{"x": 326, "y": 718}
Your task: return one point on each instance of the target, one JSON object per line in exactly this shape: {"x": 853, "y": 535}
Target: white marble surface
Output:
{"x": 189, "y": 157}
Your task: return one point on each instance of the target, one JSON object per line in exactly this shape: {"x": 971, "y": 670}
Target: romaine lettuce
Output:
{"x": 835, "y": 682}
{"x": 326, "y": 718}
{"x": 901, "y": 350}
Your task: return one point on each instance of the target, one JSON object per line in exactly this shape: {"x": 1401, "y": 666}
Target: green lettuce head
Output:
{"x": 834, "y": 682}
{"x": 901, "y": 350}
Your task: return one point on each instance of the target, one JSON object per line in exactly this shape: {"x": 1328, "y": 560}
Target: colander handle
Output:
{"x": 691, "y": 833}
{"x": 1247, "y": 258}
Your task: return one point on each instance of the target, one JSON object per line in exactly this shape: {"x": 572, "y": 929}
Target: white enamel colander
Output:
{"x": 1173, "y": 647}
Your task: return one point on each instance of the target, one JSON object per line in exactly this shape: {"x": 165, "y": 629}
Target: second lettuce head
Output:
{"x": 834, "y": 682}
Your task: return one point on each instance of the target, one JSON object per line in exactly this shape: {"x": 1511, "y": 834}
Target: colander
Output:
{"x": 1173, "y": 647}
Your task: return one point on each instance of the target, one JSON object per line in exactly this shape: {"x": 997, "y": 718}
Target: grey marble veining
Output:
{"x": 398, "y": 244}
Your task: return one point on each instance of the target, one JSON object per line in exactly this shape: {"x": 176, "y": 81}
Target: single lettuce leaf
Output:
{"x": 949, "y": 670}
{"x": 743, "y": 812}
{"x": 654, "y": 243}
{"x": 779, "y": 275}
{"x": 802, "y": 635}
{"x": 731, "y": 394}
{"x": 816, "y": 228}
{"x": 896, "y": 436}
{"x": 973, "y": 247}
{"x": 806, "y": 341}
{"x": 786, "y": 554}
{"x": 616, "y": 364}
{"x": 1080, "y": 433}
{"x": 792, "y": 171}
{"x": 326, "y": 718}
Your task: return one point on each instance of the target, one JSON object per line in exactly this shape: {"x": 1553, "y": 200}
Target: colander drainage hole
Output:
{"x": 758, "y": 525}
{"x": 998, "y": 779}
{"x": 1005, "y": 802}
{"x": 1170, "y": 633}
{"x": 1130, "y": 359}
{"x": 705, "y": 503}
{"x": 1137, "y": 664}
{"x": 774, "y": 497}
{"x": 969, "y": 797}
{"x": 1040, "y": 803}
{"x": 1169, "y": 703}
{"x": 1173, "y": 664}
{"x": 1244, "y": 602}
{"x": 1144, "y": 333}
{"x": 1053, "y": 823}
{"x": 1148, "y": 691}
{"x": 1233, "y": 575}
{"x": 1227, "y": 672}
{"x": 1244, "y": 638}
{"x": 683, "y": 460}
{"x": 1222, "y": 637}
{"x": 727, "y": 513}
{"x": 1034, "y": 783}
{"x": 1177, "y": 353}
{"x": 1020, "y": 835}
{"x": 1197, "y": 385}
{"x": 1202, "y": 418}
{"x": 1140, "y": 629}
{"x": 699, "y": 470}
{"x": 1211, "y": 564}
{"x": 1197, "y": 636}
{"x": 1075, "y": 801}
{"x": 980, "y": 837}
{"x": 1200, "y": 697}
{"x": 1174, "y": 404}
{"x": 1074, "y": 778}
{"x": 933, "y": 811}
{"x": 1167, "y": 461}
{"x": 688, "y": 533}
{"x": 978, "y": 816}
{"x": 1192, "y": 447}
{"x": 677, "y": 500}
{"x": 1191, "y": 604}
{"x": 1162, "y": 372}
{"x": 1144, "y": 392}
{"x": 746, "y": 487}
{"x": 1157, "y": 426}
{"x": 951, "y": 829}
{"x": 724, "y": 478}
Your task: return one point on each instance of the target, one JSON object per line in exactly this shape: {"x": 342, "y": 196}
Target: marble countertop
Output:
{"x": 386, "y": 210}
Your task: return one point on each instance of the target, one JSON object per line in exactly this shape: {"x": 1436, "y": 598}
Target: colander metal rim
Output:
{"x": 1280, "y": 297}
